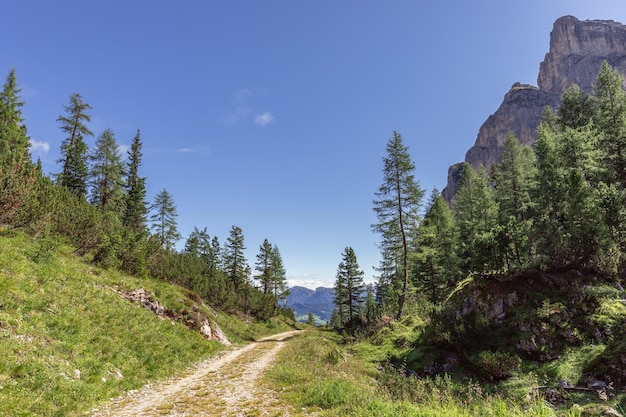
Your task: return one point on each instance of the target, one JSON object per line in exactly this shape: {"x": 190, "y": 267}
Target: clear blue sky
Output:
{"x": 274, "y": 115}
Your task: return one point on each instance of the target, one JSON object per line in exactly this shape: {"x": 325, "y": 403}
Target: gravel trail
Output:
{"x": 224, "y": 385}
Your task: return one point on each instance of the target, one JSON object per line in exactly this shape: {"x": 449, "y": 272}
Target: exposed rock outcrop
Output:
{"x": 577, "y": 49}
{"x": 195, "y": 320}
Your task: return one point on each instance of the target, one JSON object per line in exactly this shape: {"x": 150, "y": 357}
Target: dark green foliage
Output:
{"x": 136, "y": 210}
{"x": 74, "y": 150}
{"x": 164, "y": 220}
{"x": 235, "y": 264}
{"x": 17, "y": 173}
{"x": 264, "y": 266}
{"x": 349, "y": 287}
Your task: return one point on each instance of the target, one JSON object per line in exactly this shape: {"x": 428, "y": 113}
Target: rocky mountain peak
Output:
{"x": 577, "y": 49}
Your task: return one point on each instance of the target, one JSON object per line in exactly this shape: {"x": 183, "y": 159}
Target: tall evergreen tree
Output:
{"x": 164, "y": 220}
{"x": 280, "y": 288}
{"x": 397, "y": 206}
{"x": 438, "y": 265}
{"x": 514, "y": 182}
{"x": 74, "y": 150}
{"x": 349, "y": 286}
{"x": 476, "y": 213}
{"x": 235, "y": 263}
{"x": 14, "y": 143}
{"x": 610, "y": 119}
{"x": 136, "y": 210}
{"x": 17, "y": 173}
{"x": 264, "y": 266}
{"x": 107, "y": 172}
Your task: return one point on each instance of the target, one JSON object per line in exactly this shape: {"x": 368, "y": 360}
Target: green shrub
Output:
{"x": 497, "y": 366}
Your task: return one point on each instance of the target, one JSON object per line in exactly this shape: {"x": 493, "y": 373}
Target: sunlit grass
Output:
{"x": 69, "y": 341}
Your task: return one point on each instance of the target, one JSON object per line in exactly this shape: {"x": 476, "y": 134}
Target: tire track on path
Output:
{"x": 224, "y": 385}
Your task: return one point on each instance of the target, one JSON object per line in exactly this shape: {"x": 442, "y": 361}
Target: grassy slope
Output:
{"x": 68, "y": 341}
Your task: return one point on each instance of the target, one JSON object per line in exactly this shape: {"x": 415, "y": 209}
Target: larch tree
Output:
{"x": 514, "y": 182}
{"x": 397, "y": 205}
{"x": 436, "y": 256}
{"x": 476, "y": 212}
{"x": 74, "y": 150}
{"x": 107, "y": 173}
{"x": 164, "y": 220}
{"x": 349, "y": 286}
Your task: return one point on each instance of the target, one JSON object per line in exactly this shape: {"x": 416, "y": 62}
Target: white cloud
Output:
{"x": 184, "y": 150}
{"x": 39, "y": 147}
{"x": 264, "y": 119}
{"x": 243, "y": 112}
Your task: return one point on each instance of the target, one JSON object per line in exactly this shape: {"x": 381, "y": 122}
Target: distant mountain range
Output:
{"x": 319, "y": 302}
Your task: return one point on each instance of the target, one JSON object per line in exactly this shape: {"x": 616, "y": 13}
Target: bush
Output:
{"x": 497, "y": 366}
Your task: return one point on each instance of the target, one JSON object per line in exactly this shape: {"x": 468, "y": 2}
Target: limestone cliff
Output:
{"x": 577, "y": 49}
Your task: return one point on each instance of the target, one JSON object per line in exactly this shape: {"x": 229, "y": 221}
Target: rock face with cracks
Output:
{"x": 577, "y": 50}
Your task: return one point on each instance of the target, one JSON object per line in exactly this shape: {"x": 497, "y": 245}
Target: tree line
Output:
{"x": 97, "y": 203}
{"x": 556, "y": 206}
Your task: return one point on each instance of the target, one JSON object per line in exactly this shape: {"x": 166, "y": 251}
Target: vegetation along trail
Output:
{"x": 221, "y": 386}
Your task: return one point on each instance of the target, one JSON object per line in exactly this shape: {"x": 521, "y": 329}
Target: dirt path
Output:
{"x": 221, "y": 386}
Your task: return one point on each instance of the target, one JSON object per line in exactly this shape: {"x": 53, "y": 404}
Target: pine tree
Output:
{"x": 264, "y": 266}
{"x": 164, "y": 220}
{"x": 107, "y": 172}
{"x": 74, "y": 150}
{"x": 397, "y": 208}
{"x": 136, "y": 210}
{"x": 349, "y": 286}
{"x": 235, "y": 263}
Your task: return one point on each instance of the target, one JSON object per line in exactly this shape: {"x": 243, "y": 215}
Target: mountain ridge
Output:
{"x": 577, "y": 49}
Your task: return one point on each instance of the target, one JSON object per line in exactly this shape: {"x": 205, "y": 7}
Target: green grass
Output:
{"x": 317, "y": 374}
{"x": 68, "y": 341}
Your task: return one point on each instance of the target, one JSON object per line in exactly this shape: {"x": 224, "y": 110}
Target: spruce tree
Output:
{"x": 264, "y": 266}
{"x": 349, "y": 286}
{"x": 136, "y": 210}
{"x": 397, "y": 206}
{"x": 107, "y": 172}
{"x": 17, "y": 173}
{"x": 280, "y": 288}
{"x": 164, "y": 220}
{"x": 235, "y": 263}
{"x": 74, "y": 150}
{"x": 14, "y": 143}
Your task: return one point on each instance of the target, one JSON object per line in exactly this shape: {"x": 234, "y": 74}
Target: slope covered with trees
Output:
{"x": 97, "y": 203}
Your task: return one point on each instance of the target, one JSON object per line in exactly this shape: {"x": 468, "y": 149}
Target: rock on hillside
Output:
{"x": 577, "y": 49}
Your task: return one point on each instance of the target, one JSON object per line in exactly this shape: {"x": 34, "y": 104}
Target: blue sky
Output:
{"x": 274, "y": 115}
